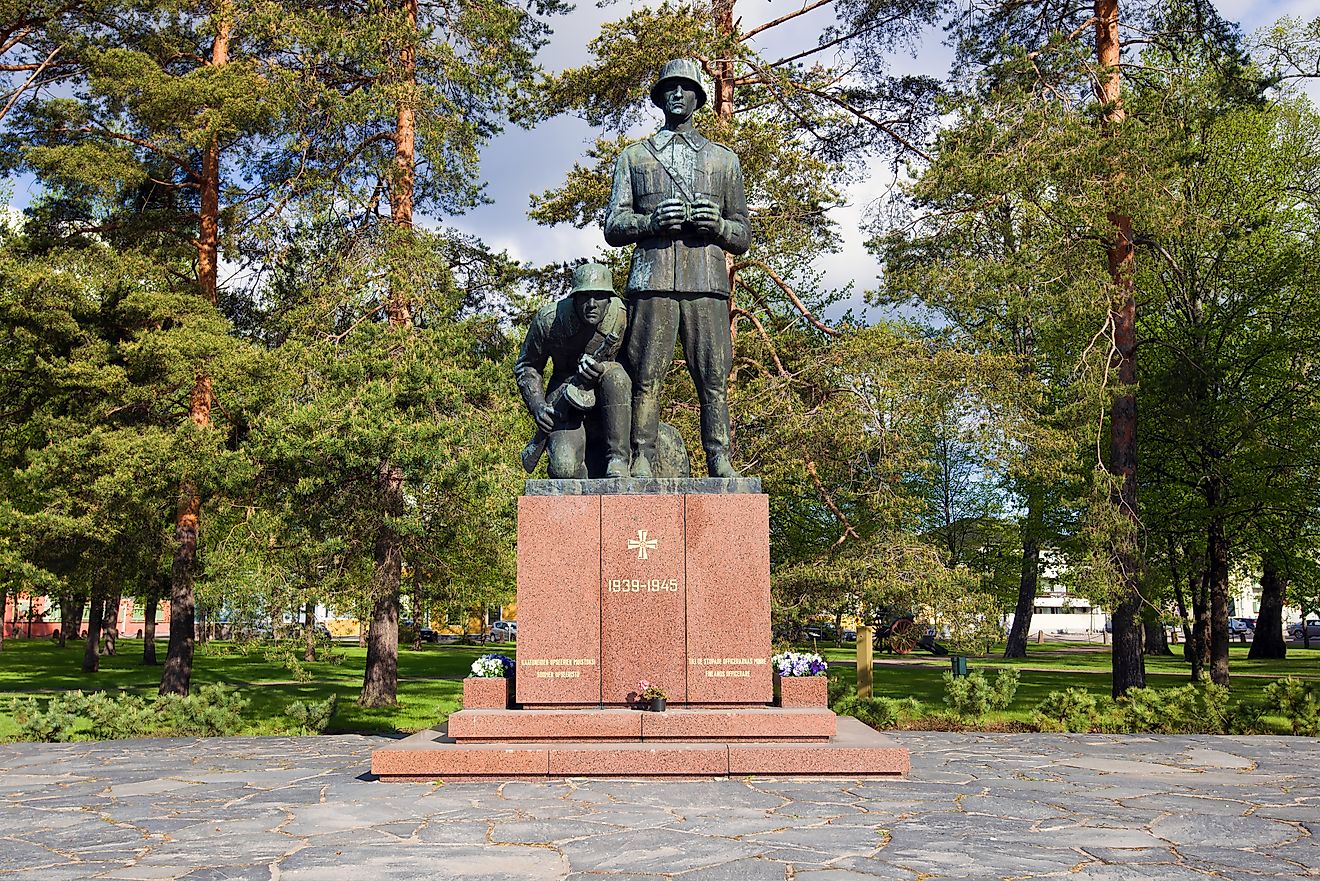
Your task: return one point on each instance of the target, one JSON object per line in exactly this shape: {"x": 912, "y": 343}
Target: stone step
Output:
{"x": 810, "y": 724}
{"x": 855, "y": 751}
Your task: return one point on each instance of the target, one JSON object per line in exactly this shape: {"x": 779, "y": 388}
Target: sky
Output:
{"x": 559, "y": 143}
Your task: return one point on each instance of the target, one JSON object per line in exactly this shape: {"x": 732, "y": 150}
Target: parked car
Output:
{"x": 1312, "y": 629}
{"x": 1241, "y": 625}
{"x": 504, "y": 631}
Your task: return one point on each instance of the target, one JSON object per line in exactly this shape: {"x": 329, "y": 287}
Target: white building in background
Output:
{"x": 1057, "y": 612}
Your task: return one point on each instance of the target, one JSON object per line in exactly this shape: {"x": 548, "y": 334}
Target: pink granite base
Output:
{"x": 487, "y": 693}
{"x": 808, "y": 724}
{"x": 803, "y": 691}
{"x": 854, "y": 751}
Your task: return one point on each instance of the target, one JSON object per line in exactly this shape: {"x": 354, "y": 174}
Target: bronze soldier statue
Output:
{"x": 679, "y": 198}
{"x": 587, "y": 405}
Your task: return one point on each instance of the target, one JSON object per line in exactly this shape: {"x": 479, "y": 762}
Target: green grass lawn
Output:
{"x": 429, "y": 687}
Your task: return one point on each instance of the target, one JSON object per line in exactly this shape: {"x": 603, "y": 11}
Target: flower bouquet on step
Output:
{"x": 798, "y": 664}
{"x": 493, "y": 667}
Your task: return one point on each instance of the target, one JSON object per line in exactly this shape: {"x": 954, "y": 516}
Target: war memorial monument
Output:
{"x": 628, "y": 568}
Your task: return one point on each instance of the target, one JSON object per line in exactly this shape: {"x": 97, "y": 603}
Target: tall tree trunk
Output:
{"x": 4, "y": 607}
{"x": 1180, "y": 597}
{"x": 110, "y": 624}
{"x": 1268, "y": 641}
{"x": 1217, "y": 564}
{"x": 1029, "y": 582}
{"x": 380, "y": 681}
{"x": 1201, "y": 624}
{"x": 91, "y": 654}
{"x": 1128, "y": 662}
{"x": 177, "y": 674}
{"x": 149, "y": 622}
{"x": 1156, "y": 640}
{"x": 309, "y": 631}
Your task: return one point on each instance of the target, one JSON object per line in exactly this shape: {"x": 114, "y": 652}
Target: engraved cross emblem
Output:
{"x": 641, "y": 544}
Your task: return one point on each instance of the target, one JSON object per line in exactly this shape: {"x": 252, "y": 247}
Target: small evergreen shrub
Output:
{"x": 1073, "y": 709}
{"x": 878, "y": 712}
{"x": 1298, "y": 702}
{"x": 312, "y": 717}
{"x": 974, "y": 695}
{"x": 1199, "y": 708}
{"x": 211, "y": 711}
{"x": 54, "y": 724}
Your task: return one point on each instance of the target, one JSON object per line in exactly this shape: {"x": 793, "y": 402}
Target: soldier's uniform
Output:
{"x": 592, "y": 420}
{"x": 678, "y": 285}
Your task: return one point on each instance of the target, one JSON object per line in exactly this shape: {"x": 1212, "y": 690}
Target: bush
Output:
{"x": 878, "y": 712}
{"x": 1201, "y": 708}
{"x": 1298, "y": 703}
{"x": 973, "y": 695}
{"x": 312, "y": 717}
{"x": 1074, "y": 709}
{"x": 211, "y": 711}
{"x": 52, "y": 725}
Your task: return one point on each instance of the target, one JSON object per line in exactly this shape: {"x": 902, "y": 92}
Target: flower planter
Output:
{"x": 657, "y": 705}
{"x": 803, "y": 691}
{"x": 487, "y": 693}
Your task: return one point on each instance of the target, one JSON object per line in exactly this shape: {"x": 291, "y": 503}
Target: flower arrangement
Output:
{"x": 648, "y": 692}
{"x": 493, "y": 667}
{"x": 798, "y": 664}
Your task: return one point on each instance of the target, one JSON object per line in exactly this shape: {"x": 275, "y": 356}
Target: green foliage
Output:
{"x": 1298, "y": 702}
{"x": 286, "y": 654}
{"x": 1202, "y": 708}
{"x": 54, "y": 724}
{"x": 1073, "y": 709}
{"x": 312, "y": 717}
{"x": 212, "y": 711}
{"x": 974, "y": 695}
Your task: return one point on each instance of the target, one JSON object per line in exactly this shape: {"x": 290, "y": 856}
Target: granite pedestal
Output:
{"x": 625, "y": 580}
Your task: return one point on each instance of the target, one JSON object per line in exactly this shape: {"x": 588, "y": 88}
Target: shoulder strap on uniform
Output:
{"x": 678, "y": 184}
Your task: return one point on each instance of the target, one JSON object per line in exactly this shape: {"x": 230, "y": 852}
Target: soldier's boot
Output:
{"x": 719, "y": 465}
{"x": 641, "y": 467}
{"x": 616, "y": 419}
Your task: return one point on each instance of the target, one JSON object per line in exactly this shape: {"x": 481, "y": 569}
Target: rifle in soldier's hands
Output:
{"x": 535, "y": 449}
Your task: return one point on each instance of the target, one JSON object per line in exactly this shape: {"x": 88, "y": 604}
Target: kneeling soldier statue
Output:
{"x": 587, "y": 408}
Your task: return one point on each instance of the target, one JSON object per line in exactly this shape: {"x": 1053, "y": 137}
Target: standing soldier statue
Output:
{"x": 587, "y": 406}
{"x": 679, "y": 198}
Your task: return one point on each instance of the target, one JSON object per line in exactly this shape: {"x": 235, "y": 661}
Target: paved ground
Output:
{"x": 975, "y": 807}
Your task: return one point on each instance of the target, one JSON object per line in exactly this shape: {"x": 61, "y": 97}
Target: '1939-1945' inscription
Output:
{"x": 642, "y": 585}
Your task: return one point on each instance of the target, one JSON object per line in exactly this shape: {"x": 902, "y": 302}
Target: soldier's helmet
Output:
{"x": 680, "y": 69}
{"x": 593, "y": 277}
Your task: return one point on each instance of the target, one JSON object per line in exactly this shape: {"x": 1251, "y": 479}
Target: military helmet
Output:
{"x": 680, "y": 69}
{"x": 592, "y": 277}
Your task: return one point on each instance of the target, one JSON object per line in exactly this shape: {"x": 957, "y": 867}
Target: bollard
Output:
{"x": 865, "y": 662}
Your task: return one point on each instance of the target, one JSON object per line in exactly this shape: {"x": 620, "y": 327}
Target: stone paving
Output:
{"x": 976, "y": 806}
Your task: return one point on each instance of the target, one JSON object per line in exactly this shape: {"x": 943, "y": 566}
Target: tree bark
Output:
{"x": 149, "y": 623}
{"x": 91, "y": 655}
{"x": 1156, "y": 640}
{"x": 1217, "y": 565}
{"x": 1180, "y": 597}
{"x": 1128, "y": 662}
{"x": 1201, "y": 623}
{"x": 309, "y": 631}
{"x": 1029, "y": 582}
{"x": 177, "y": 674}
{"x": 380, "y": 680}
{"x": 1268, "y": 641}
{"x": 110, "y": 625}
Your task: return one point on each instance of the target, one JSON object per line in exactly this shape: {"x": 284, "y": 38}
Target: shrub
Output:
{"x": 312, "y": 717}
{"x": 878, "y": 712}
{"x": 54, "y": 724}
{"x": 973, "y": 695}
{"x": 1073, "y": 709}
{"x": 211, "y": 711}
{"x": 1298, "y": 703}
{"x": 1199, "y": 708}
